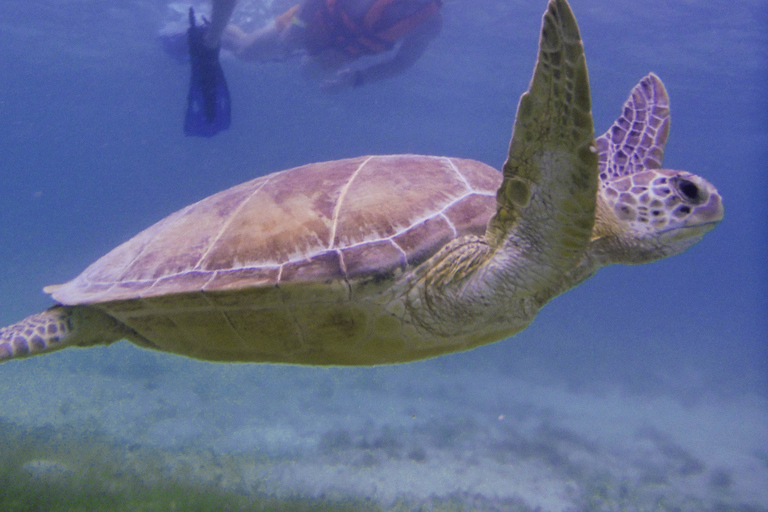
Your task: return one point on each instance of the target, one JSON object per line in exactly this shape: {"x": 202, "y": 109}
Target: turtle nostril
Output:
{"x": 682, "y": 211}
{"x": 689, "y": 190}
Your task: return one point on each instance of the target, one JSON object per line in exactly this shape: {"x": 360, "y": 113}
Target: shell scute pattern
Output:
{"x": 348, "y": 220}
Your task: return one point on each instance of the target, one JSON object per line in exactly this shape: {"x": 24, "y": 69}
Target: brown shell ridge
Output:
{"x": 341, "y": 262}
{"x": 458, "y": 173}
{"x": 232, "y": 215}
{"x": 140, "y": 253}
{"x": 345, "y": 239}
{"x": 148, "y": 291}
{"x": 420, "y": 221}
{"x": 344, "y": 274}
{"x": 343, "y": 266}
{"x": 340, "y": 201}
{"x": 136, "y": 257}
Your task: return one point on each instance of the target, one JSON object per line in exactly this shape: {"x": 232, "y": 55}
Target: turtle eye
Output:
{"x": 689, "y": 191}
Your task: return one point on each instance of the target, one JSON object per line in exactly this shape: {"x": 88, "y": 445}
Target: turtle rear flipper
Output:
{"x": 56, "y": 328}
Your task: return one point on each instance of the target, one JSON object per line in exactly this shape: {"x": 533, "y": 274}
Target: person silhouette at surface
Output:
{"x": 330, "y": 35}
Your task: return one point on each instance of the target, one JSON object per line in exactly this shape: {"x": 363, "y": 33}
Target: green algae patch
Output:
{"x": 61, "y": 470}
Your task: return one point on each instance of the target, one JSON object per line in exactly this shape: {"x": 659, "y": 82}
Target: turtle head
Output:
{"x": 644, "y": 212}
{"x": 653, "y": 214}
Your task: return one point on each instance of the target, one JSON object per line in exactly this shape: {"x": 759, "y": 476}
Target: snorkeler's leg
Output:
{"x": 220, "y": 14}
{"x": 208, "y": 103}
{"x": 174, "y": 42}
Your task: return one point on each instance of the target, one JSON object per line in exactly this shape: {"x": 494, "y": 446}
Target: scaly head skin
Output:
{"x": 653, "y": 214}
{"x": 645, "y": 213}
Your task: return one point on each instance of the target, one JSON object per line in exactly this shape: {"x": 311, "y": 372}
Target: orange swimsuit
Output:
{"x": 329, "y": 26}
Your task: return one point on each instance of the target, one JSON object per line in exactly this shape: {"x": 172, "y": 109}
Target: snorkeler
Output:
{"x": 330, "y": 35}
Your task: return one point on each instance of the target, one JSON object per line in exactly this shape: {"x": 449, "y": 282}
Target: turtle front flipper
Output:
{"x": 635, "y": 142}
{"x": 56, "y": 328}
{"x": 546, "y": 203}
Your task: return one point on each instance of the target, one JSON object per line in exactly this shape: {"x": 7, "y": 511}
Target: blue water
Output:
{"x": 92, "y": 151}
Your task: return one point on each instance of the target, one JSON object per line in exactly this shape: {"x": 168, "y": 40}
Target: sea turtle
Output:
{"x": 386, "y": 259}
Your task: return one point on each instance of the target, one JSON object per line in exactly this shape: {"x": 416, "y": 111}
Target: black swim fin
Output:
{"x": 208, "y": 105}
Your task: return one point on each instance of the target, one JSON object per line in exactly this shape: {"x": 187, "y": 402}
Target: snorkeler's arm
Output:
{"x": 411, "y": 49}
{"x": 276, "y": 41}
{"x": 262, "y": 45}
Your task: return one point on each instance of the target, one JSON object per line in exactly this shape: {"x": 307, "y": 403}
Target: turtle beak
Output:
{"x": 699, "y": 215}
{"x": 702, "y": 207}
{"x": 710, "y": 213}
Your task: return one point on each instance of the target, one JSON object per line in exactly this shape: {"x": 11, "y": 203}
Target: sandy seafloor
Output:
{"x": 644, "y": 389}
{"x": 423, "y": 436}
